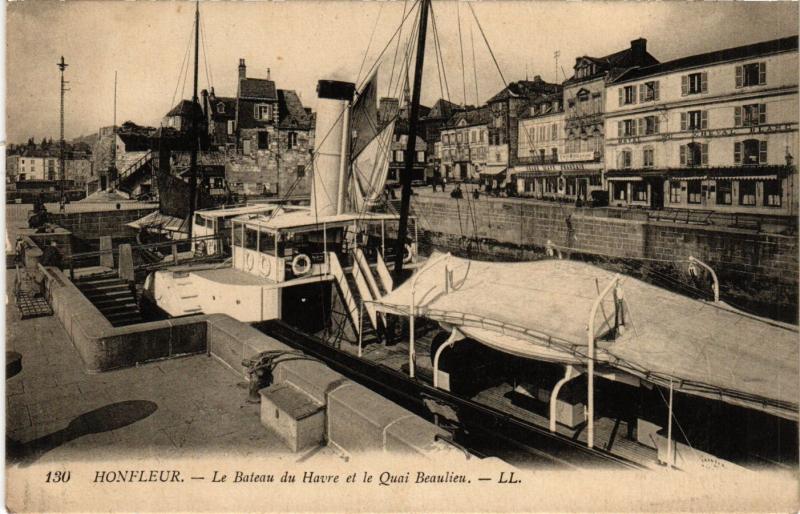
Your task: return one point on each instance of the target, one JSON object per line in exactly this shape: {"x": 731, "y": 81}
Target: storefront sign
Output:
{"x": 720, "y": 132}
{"x": 577, "y": 156}
{"x": 556, "y": 168}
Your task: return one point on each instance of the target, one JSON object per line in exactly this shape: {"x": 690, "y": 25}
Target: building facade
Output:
{"x": 584, "y": 105}
{"x": 274, "y": 138}
{"x": 539, "y": 172}
{"x": 714, "y": 132}
{"x": 465, "y": 144}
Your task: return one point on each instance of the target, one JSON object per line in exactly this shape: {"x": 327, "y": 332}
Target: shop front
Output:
{"x": 756, "y": 190}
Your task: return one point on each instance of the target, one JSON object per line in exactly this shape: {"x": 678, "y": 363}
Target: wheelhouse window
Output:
{"x": 266, "y": 243}
{"x": 747, "y": 192}
{"x": 250, "y": 238}
{"x": 724, "y": 192}
{"x": 773, "y": 193}
{"x": 753, "y": 74}
{"x": 694, "y": 192}
{"x": 674, "y": 192}
{"x": 750, "y": 152}
{"x": 237, "y": 234}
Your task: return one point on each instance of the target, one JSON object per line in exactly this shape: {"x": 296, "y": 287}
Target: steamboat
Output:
{"x": 579, "y": 356}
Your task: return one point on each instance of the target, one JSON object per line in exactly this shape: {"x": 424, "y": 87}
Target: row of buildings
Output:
{"x": 41, "y": 162}
{"x": 714, "y": 132}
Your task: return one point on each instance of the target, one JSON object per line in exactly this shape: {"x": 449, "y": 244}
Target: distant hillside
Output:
{"x": 89, "y": 139}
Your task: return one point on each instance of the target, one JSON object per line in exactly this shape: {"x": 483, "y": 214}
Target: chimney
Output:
{"x": 242, "y": 69}
{"x": 268, "y": 70}
{"x": 638, "y": 51}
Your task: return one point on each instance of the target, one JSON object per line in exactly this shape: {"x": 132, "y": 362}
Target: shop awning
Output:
{"x": 627, "y": 178}
{"x": 493, "y": 171}
{"x": 159, "y": 222}
{"x": 748, "y": 177}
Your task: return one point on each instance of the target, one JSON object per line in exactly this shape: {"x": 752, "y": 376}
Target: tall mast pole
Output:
{"x": 194, "y": 141}
{"x": 113, "y": 165}
{"x": 411, "y": 145}
{"x": 61, "y": 66}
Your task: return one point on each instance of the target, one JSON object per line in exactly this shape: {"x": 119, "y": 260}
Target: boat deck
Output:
{"x": 610, "y": 434}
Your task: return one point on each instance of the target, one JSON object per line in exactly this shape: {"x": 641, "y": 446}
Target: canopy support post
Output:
{"x": 713, "y": 276}
{"x": 590, "y": 367}
{"x": 455, "y": 336}
{"x": 569, "y": 374}
{"x": 670, "y": 455}
{"x": 360, "y": 328}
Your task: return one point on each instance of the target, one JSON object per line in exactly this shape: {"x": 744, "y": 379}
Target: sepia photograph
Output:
{"x": 401, "y": 255}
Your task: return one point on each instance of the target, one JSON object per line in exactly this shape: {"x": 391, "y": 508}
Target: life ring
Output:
{"x": 249, "y": 260}
{"x": 266, "y": 267}
{"x": 301, "y": 264}
{"x": 407, "y": 253}
{"x": 200, "y": 248}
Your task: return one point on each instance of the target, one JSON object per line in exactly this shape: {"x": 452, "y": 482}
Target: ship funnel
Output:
{"x": 334, "y": 100}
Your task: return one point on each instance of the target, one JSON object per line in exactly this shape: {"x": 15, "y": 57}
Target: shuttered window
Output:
{"x": 694, "y": 83}
{"x": 753, "y": 74}
{"x": 750, "y": 115}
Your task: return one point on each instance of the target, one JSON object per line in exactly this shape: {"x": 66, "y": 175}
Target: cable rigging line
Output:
{"x": 399, "y": 37}
{"x": 461, "y": 46}
{"x": 203, "y": 36}
{"x": 181, "y": 73}
{"x": 369, "y": 45}
{"x": 488, "y": 46}
{"x": 474, "y": 65}
{"x": 438, "y": 47}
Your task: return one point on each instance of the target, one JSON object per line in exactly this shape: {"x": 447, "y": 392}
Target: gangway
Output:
{"x": 30, "y": 300}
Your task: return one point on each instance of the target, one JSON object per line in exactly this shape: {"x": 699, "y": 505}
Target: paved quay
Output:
{"x": 182, "y": 407}
{"x": 17, "y": 213}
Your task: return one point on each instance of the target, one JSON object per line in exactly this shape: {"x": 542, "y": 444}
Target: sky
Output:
{"x": 301, "y": 42}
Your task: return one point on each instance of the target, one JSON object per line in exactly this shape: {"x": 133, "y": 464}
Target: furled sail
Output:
{"x": 370, "y": 170}
{"x": 370, "y": 147}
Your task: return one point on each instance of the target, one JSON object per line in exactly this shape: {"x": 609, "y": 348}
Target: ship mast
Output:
{"x": 194, "y": 136}
{"x": 411, "y": 145}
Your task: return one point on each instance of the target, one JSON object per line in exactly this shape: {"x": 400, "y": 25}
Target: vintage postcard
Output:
{"x": 401, "y": 255}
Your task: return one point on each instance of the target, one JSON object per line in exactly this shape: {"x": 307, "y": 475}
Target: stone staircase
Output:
{"x": 113, "y": 297}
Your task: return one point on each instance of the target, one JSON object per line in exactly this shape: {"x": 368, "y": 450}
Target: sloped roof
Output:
{"x": 185, "y": 108}
{"x": 525, "y": 88}
{"x": 229, "y": 105}
{"x": 291, "y": 113}
{"x": 615, "y": 63}
{"x": 480, "y": 116}
{"x": 261, "y": 89}
{"x": 442, "y": 109}
{"x": 709, "y": 58}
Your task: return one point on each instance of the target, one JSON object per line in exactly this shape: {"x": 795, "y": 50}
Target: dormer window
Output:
{"x": 221, "y": 108}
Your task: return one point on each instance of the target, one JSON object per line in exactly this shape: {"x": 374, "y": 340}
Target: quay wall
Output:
{"x": 357, "y": 419}
{"x": 104, "y": 347}
{"x": 93, "y": 224}
{"x": 753, "y": 267}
